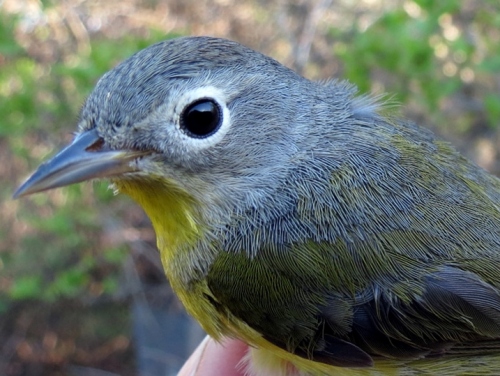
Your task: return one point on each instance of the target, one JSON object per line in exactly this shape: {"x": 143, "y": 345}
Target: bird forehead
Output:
{"x": 181, "y": 58}
{"x": 143, "y": 81}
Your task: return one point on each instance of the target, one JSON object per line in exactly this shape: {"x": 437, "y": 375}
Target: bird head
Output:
{"x": 203, "y": 116}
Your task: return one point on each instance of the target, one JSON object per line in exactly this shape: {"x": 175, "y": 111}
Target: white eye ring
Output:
{"x": 190, "y": 97}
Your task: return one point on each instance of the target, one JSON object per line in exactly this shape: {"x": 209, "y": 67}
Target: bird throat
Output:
{"x": 176, "y": 218}
{"x": 173, "y": 212}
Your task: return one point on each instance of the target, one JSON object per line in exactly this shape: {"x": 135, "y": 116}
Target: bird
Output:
{"x": 331, "y": 235}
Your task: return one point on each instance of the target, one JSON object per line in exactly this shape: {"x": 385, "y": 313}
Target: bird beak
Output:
{"x": 87, "y": 157}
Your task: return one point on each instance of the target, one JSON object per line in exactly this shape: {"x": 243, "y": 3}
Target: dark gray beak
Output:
{"x": 85, "y": 158}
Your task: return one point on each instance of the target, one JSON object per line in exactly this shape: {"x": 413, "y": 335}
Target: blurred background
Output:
{"x": 82, "y": 291}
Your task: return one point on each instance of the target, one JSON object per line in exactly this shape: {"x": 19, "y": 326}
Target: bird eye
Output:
{"x": 201, "y": 118}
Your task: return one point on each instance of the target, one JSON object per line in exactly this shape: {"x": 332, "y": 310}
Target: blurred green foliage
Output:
{"x": 60, "y": 255}
{"x": 427, "y": 52}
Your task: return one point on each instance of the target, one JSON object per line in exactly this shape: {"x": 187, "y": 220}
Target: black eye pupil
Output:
{"x": 201, "y": 118}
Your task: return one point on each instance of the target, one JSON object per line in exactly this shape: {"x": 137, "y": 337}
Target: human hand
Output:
{"x": 215, "y": 359}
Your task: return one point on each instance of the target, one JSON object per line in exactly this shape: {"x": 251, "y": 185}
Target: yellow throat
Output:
{"x": 172, "y": 212}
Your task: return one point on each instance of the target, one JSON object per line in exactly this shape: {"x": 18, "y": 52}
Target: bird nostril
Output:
{"x": 97, "y": 145}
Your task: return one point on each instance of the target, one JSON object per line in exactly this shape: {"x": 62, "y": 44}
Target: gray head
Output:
{"x": 229, "y": 126}
{"x": 253, "y": 113}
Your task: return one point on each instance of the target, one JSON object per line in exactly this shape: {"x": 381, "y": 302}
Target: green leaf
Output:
{"x": 492, "y": 105}
{"x": 26, "y": 287}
